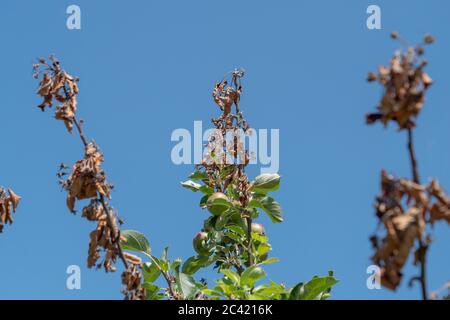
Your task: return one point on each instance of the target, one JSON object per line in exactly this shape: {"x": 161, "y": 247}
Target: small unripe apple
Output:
{"x": 199, "y": 243}
{"x": 258, "y": 228}
{"x": 217, "y": 208}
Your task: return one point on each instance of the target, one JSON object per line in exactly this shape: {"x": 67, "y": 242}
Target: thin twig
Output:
{"x": 412, "y": 156}
{"x": 80, "y": 131}
{"x": 249, "y": 235}
{"x": 422, "y": 246}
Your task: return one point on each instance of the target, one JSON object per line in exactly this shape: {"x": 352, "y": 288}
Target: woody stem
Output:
{"x": 249, "y": 235}
{"x": 422, "y": 246}
{"x": 80, "y": 131}
{"x": 412, "y": 156}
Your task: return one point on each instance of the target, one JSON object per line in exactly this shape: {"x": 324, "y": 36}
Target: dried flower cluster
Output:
{"x": 132, "y": 279}
{"x": 87, "y": 180}
{"x": 57, "y": 84}
{"x": 405, "y": 84}
{"x": 404, "y": 208}
{"x": 8, "y": 204}
{"x": 102, "y": 238}
{"x": 403, "y": 226}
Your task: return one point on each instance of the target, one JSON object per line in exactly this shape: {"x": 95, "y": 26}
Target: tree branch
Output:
{"x": 109, "y": 217}
{"x": 422, "y": 247}
{"x": 414, "y": 167}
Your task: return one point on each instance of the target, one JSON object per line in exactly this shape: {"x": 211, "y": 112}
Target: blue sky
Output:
{"x": 148, "y": 67}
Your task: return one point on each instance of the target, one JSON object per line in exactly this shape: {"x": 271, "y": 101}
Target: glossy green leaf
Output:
{"x": 270, "y": 261}
{"x": 269, "y": 206}
{"x": 151, "y": 291}
{"x": 186, "y": 284}
{"x": 236, "y": 229}
{"x": 314, "y": 289}
{"x": 251, "y": 275}
{"x": 233, "y": 276}
{"x": 266, "y": 182}
{"x": 198, "y": 175}
{"x": 135, "y": 241}
{"x": 193, "y": 264}
{"x": 191, "y": 185}
{"x": 150, "y": 271}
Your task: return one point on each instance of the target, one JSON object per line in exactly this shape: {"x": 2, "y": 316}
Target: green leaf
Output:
{"x": 206, "y": 190}
{"x": 197, "y": 187}
{"x": 151, "y": 291}
{"x": 314, "y": 289}
{"x": 165, "y": 254}
{"x": 191, "y": 185}
{"x": 186, "y": 284}
{"x": 193, "y": 264}
{"x": 164, "y": 264}
{"x": 270, "y": 206}
{"x": 271, "y": 291}
{"x": 256, "y": 296}
{"x": 198, "y": 175}
{"x": 135, "y": 241}
{"x": 236, "y": 238}
{"x": 263, "y": 248}
{"x": 236, "y": 229}
{"x": 233, "y": 276}
{"x": 231, "y": 192}
{"x": 175, "y": 265}
{"x": 218, "y": 201}
{"x": 270, "y": 261}
{"x": 266, "y": 182}
{"x": 251, "y": 275}
{"x": 150, "y": 271}
{"x": 259, "y": 237}
{"x": 203, "y": 201}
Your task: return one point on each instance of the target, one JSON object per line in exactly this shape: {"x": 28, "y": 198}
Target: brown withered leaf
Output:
{"x": 403, "y": 226}
{"x": 87, "y": 178}
{"x": 132, "y": 279}
{"x": 59, "y": 85}
{"x": 8, "y": 204}
{"x": 225, "y": 96}
{"x": 94, "y": 211}
{"x": 102, "y": 240}
{"x": 440, "y": 210}
{"x": 405, "y": 84}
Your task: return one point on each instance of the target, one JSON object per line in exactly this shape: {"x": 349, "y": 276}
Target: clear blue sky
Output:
{"x": 148, "y": 67}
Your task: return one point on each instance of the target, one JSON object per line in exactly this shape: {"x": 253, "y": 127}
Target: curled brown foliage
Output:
{"x": 405, "y": 83}
{"x": 404, "y": 208}
{"x": 57, "y": 84}
{"x": 87, "y": 178}
{"x": 8, "y": 204}
{"x": 102, "y": 238}
{"x": 132, "y": 279}
{"x": 403, "y": 224}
